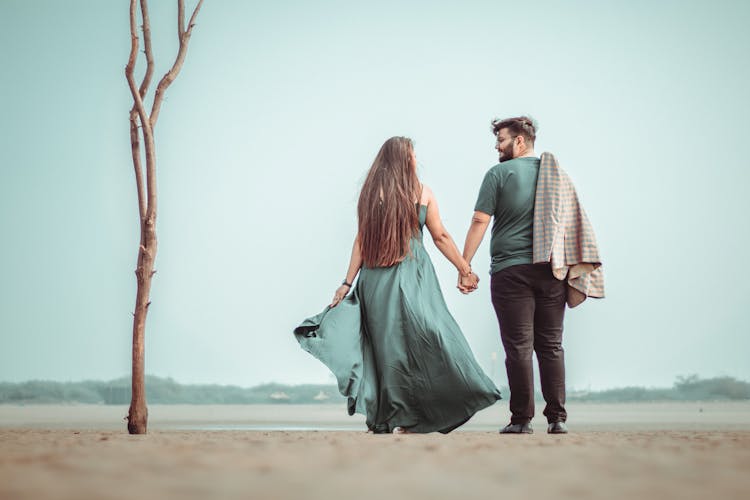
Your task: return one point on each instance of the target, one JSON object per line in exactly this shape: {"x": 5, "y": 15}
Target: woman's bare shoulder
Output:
{"x": 427, "y": 195}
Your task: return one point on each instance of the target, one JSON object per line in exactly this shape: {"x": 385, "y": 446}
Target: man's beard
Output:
{"x": 508, "y": 155}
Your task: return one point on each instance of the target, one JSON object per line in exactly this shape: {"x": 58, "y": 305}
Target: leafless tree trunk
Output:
{"x": 142, "y": 125}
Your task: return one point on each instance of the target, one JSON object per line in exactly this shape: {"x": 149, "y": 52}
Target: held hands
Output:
{"x": 339, "y": 295}
{"x": 468, "y": 283}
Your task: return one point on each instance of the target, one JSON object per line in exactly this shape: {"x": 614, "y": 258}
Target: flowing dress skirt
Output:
{"x": 396, "y": 351}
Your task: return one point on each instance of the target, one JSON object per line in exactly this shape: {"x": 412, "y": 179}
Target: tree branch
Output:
{"x": 136, "y": 151}
{"x": 147, "y": 47}
{"x": 145, "y": 122}
{"x": 180, "y": 18}
{"x": 169, "y": 77}
{"x": 147, "y": 195}
{"x": 138, "y": 110}
{"x": 192, "y": 18}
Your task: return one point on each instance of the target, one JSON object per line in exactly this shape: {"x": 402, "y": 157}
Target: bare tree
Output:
{"x": 142, "y": 124}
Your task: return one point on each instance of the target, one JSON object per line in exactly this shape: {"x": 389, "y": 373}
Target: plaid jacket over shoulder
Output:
{"x": 563, "y": 235}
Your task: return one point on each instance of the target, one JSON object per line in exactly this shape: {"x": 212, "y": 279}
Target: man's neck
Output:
{"x": 527, "y": 154}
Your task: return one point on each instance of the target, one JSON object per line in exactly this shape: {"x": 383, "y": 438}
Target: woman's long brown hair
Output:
{"x": 387, "y": 216}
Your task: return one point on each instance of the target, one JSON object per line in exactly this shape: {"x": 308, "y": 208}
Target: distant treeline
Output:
{"x": 690, "y": 388}
{"x": 167, "y": 391}
{"x": 163, "y": 391}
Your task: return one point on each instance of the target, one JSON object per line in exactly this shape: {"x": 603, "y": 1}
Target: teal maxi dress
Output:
{"x": 397, "y": 353}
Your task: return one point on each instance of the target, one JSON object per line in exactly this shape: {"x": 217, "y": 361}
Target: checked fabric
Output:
{"x": 563, "y": 235}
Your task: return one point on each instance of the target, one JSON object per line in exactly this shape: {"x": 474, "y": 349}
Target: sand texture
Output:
{"x": 83, "y": 459}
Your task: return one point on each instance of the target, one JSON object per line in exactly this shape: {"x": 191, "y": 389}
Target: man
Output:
{"x": 528, "y": 299}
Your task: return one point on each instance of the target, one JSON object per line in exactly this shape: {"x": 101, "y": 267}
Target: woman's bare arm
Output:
{"x": 355, "y": 263}
{"x": 440, "y": 235}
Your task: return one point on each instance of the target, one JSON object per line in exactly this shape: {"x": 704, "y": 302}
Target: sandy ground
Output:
{"x": 692, "y": 451}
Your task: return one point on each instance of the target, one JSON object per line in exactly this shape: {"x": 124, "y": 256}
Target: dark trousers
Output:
{"x": 530, "y": 306}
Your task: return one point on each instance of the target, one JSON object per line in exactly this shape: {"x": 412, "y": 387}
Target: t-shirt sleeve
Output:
{"x": 487, "y": 199}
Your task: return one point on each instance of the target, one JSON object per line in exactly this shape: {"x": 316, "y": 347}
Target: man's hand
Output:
{"x": 467, "y": 284}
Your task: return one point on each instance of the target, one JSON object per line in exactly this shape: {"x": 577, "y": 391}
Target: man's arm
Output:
{"x": 483, "y": 210}
{"x": 474, "y": 236}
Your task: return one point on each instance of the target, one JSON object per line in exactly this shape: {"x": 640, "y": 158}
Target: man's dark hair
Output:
{"x": 519, "y": 125}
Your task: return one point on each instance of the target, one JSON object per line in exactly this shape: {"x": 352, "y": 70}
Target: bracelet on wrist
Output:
{"x": 344, "y": 283}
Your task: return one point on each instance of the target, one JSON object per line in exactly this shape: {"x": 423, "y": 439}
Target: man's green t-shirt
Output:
{"x": 507, "y": 194}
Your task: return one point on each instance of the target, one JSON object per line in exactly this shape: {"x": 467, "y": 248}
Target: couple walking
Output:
{"x": 397, "y": 353}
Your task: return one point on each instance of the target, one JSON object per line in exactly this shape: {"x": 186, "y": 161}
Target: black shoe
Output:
{"x": 517, "y": 429}
{"x": 557, "y": 428}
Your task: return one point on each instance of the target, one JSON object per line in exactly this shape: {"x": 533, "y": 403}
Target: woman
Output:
{"x": 410, "y": 368}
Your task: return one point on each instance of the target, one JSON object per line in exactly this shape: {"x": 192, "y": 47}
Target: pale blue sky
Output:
{"x": 265, "y": 136}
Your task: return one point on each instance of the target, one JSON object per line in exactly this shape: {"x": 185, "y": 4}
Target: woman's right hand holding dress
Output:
{"x": 339, "y": 295}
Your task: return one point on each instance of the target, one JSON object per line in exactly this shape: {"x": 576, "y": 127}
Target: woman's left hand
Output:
{"x": 467, "y": 284}
{"x": 339, "y": 295}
